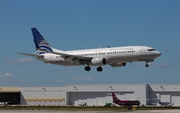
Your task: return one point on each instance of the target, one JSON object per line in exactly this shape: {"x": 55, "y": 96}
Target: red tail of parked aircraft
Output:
{"x": 125, "y": 102}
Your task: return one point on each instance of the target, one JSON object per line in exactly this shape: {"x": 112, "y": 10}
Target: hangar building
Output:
{"x": 92, "y": 95}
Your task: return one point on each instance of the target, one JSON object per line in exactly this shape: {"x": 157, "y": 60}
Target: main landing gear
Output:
{"x": 99, "y": 69}
{"x": 87, "y": 68}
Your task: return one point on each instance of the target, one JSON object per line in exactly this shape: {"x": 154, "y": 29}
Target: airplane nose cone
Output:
{"x": 158, "y": 53}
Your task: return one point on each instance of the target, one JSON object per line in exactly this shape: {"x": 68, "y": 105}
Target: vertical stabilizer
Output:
{"x": 115, "y": 99}
{"x": 40, "y": 43}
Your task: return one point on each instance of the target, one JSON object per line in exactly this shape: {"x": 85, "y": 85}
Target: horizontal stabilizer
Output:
{"x": 33, "y": 55}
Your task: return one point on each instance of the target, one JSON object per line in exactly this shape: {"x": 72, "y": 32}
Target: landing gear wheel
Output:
{"x": 87, "y": 68}
{"x": 99, "y": 69}
{"x": 147, "y": 65}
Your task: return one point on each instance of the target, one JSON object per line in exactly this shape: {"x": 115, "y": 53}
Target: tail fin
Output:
{"x": 115, "y": 99}
{"x": 40, "y": 43}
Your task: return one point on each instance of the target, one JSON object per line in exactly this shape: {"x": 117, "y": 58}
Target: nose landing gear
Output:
{"x": 146, "y": 65}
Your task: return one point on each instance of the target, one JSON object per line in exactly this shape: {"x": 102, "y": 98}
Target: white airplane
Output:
{"x": 113, "y": 56}
{"x": 163, "y": 104}
{"x": 4, "y": 103}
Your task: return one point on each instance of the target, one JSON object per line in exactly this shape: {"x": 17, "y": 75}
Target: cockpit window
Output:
{"x": 151, "y": 49}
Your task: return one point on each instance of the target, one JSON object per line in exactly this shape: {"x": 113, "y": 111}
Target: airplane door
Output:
{"x": 142, "y": 52}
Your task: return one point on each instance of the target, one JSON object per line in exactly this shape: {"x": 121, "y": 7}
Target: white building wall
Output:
{"x": 42, "y": 95}
{"x": 175, "y": 98}
{"x": 100, "y": 94}
{"x": 166, "y": 93}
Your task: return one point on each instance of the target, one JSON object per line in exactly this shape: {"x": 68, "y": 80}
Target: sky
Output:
{"x": 86, "y": 24}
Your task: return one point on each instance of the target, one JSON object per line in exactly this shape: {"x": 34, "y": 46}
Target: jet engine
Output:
{"x": 53, "y": 58}
{"x": 98, "y": 61}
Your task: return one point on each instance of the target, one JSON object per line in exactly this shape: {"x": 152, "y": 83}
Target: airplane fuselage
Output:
{"x": 128, "y": 102}
{"x": 112, "y": 55}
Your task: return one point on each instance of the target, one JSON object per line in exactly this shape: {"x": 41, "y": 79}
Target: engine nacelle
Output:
{"x": 53, "y": 58}
{"x": 118, "y": 64}
{"x": 98, "y": 61}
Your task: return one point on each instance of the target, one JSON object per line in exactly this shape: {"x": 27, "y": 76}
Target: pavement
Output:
{"x": 58, "y": 111}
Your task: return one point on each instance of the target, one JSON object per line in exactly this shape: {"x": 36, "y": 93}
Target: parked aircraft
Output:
{"x": 125, "y": 102}
{"x": 163, "y": 104}
{"x": 113, "y": 56}
{"x": 4, "y": 103}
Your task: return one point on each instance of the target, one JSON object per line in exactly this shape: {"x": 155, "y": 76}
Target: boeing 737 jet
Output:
{"x": 113, "y": 56}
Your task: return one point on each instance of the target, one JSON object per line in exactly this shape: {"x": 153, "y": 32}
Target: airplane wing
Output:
{"x": 33, "y": 55}
{"x": 81, "y": 59}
